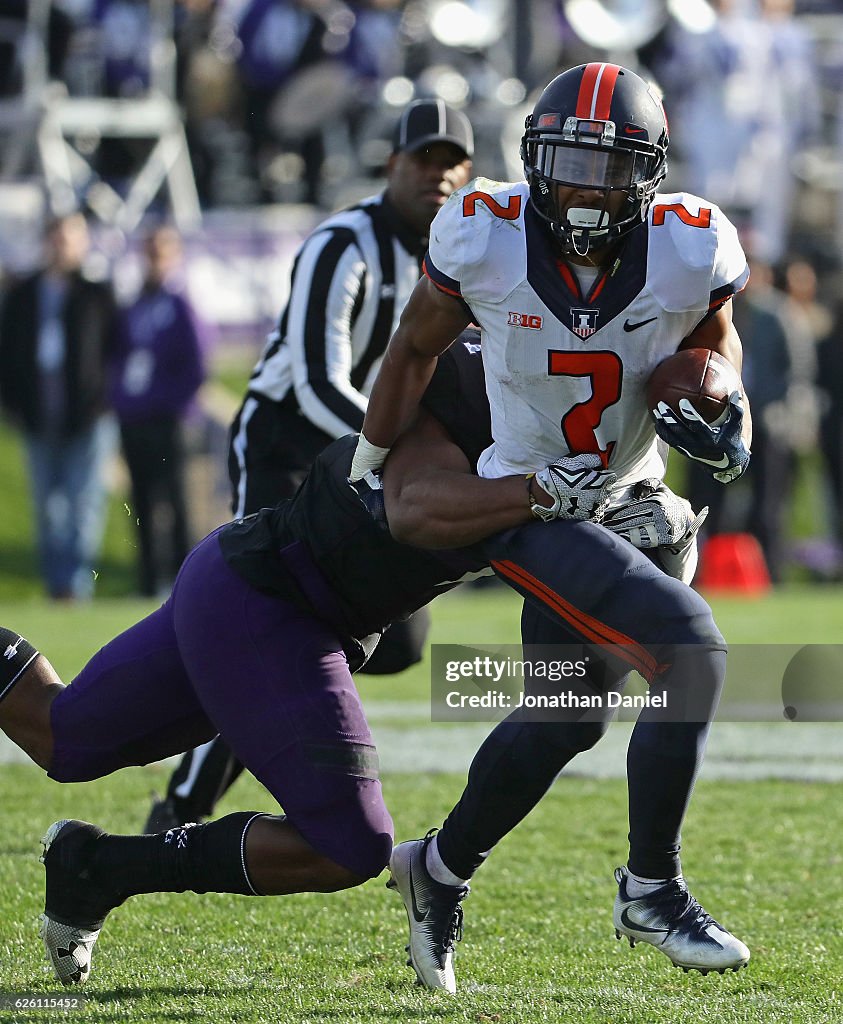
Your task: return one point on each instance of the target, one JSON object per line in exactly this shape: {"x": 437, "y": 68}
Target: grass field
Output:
{"x": 764, "y": 856}
{"x": 538, "y": 946}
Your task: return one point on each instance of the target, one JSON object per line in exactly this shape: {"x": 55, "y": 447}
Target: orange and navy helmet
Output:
{"x": 600, "y": 127}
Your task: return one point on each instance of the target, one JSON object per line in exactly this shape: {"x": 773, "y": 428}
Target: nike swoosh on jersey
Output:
{"x": 636, "y": 926}
{"x": 416, "y": 912}
{"x": 627, "y": 326}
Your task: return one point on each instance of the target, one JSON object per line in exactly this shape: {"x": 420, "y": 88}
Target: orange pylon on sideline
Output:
{"x": 734, "y": 563}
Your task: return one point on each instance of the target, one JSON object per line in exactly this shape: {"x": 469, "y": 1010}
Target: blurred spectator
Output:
{"x": 744, "y": 101}
{"x": 374, "y": 49}
{"x": 157, "y": 370}
{"x": 13, "y": 52}
{"x": 809, "y": 322}
{"x": 766, "y": 334}
{"x": 374, "y": 56}
{"x": 209, "y": 90}
{"x": 56, "y": 334}
{"x": 194, "y": 22}
{"x": 830, "y": 383}
{"x": 294, "y": 81}
{"x": 125, "y": 41}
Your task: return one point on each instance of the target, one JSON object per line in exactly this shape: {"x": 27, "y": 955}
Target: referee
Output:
{"x": 350, "y": 282}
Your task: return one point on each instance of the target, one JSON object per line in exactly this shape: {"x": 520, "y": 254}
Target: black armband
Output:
{"x": 16, "y": 655}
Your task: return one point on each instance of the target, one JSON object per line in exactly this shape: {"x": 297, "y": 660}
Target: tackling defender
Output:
{"x": 257, "y": 640}
{"x": 582, "y": 279}
{"x": 349, "y": 282}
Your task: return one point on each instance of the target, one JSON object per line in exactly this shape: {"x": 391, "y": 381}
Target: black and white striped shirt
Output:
{"x": 351, "y": 279}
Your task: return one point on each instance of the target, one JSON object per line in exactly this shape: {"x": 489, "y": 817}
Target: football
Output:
{"x": 704, "y": 377}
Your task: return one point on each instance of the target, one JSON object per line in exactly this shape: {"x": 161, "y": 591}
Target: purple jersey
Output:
{"x": 158, "y": 364}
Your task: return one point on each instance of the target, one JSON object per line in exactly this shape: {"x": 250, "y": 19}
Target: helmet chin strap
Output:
{"x": 586, "y": 235}
{"x": 586, "y": 222}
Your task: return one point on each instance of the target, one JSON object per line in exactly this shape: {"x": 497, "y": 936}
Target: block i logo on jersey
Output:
{"x": 584, "y": 322}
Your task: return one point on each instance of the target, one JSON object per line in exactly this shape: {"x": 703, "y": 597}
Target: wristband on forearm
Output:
{"x": 367, "y": 458}
{"x": 539, "y": 511}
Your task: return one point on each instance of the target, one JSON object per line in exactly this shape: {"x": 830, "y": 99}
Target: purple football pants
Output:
{"x": 221, "y": 657}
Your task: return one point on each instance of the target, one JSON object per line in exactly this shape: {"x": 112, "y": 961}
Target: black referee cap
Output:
{"x": 431, "y": 120}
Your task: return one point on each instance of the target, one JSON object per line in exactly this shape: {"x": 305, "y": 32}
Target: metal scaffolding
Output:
{"x": 46, "y": 118}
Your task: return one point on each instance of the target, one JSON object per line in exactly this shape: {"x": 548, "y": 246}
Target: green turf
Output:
{"x": 764, "y": 856}
{"x": 793, "y": 614}
{"x": 539, "y": 944}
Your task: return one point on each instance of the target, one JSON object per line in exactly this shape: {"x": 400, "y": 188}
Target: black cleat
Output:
{"x": 75, "y": 905}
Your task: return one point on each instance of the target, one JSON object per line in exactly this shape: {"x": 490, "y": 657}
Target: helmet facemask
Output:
{"x": 587, "y": 154}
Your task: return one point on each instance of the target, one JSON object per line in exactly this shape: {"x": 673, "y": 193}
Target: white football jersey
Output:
{"x": 566, "y": 372}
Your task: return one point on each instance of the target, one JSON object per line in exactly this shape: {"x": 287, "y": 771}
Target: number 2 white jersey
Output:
{"x": 565, "y": 373}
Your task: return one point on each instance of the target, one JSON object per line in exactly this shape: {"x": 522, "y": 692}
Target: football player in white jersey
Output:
{"x": 582, "y": 279}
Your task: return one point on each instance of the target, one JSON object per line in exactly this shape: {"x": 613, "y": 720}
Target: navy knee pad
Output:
{"x": 16, "y": 655}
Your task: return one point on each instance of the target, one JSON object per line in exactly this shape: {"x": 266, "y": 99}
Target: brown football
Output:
{"x": 704, "y": 377}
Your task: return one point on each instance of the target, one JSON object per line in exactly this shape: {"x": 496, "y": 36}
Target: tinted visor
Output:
{"x": 589, "y": 166}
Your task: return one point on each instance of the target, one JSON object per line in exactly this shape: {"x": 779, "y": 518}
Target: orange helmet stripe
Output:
{"x": 594, "y": 101}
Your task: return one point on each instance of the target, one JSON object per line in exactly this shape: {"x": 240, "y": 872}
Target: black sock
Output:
{"x": 664, "y": 756}
{"x": 16, "y": 655}
{"x": 202, "y": 858}
{"x": 660, "y": 784}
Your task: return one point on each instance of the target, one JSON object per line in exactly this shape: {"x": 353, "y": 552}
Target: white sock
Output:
{"x": 437, "y": 869}
{"x": 638, "y": 886}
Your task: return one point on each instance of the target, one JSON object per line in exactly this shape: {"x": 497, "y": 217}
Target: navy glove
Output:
{"x": 369, "y": 490}
{"x": 718, "y": 445}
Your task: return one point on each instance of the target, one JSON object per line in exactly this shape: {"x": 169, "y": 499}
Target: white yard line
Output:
{"x": 735, "y": 751}
{"x": 409, "y": 742}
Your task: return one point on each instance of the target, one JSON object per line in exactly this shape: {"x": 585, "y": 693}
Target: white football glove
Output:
{"x": 579, "y": 486}
{"x": 655, "y": 517}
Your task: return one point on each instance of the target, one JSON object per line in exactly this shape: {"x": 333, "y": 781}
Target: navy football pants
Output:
{"x": 584, "y": 584}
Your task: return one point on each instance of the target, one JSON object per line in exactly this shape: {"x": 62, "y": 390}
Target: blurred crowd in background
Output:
{"x": 292, "y": 100}
{"x": 287, "y": 107}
